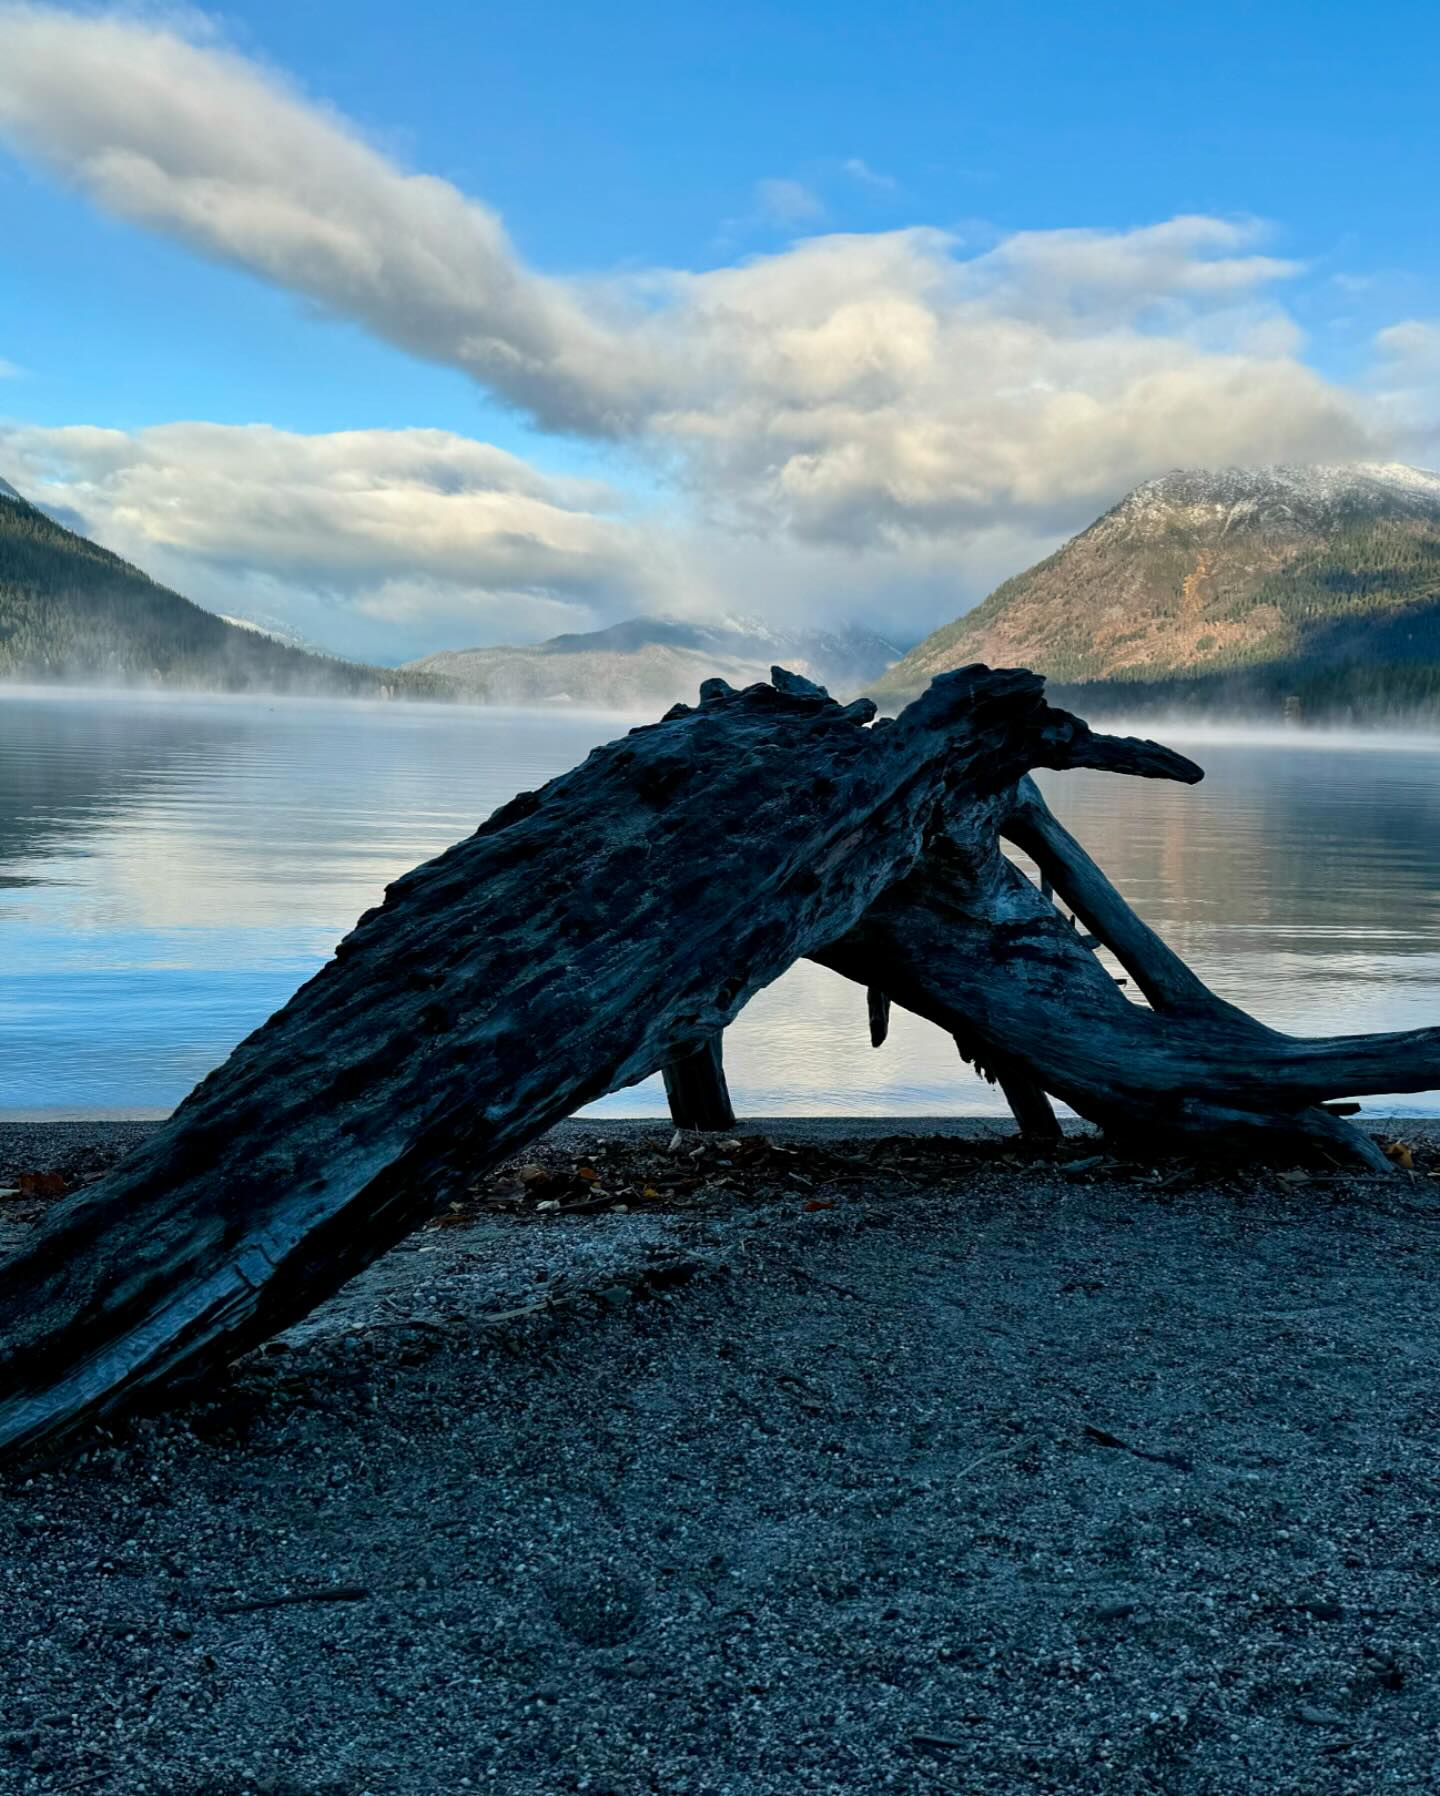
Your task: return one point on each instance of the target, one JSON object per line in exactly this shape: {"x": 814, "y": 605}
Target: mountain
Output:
{"x": 1227, "y": 585}
{"x": 72, "y": 611}
{"x": 653, "y": 661}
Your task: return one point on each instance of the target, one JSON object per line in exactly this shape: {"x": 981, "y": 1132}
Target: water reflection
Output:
{"x": 171, "y": 870}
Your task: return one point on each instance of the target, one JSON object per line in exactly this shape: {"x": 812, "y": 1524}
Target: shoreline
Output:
{"x": 115, "y": 1128}
{"x": 980, "y": 1124}
{"x": 37, "y": 1144}
{"x": 1418, "y": 727}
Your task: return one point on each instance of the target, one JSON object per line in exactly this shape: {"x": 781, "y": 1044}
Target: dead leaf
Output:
{"x": 43, "y": 1184}
{"x": 1401, "y": 1155}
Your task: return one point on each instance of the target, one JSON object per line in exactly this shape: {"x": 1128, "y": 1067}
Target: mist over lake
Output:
{"x": 172, "y": 868}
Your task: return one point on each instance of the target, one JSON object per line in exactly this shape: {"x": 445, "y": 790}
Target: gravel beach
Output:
{"x": 821, "y": 1459}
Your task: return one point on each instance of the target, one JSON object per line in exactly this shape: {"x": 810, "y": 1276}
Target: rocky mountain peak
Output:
{"x": 1293, "y": 496}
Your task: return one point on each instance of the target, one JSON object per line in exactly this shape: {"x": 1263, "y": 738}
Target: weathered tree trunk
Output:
{"x": 587, "y": 935}
{"x": 598, "y": 930}
{"x": 1028, "y": 1103}
{"x": 966, "y": 940}
{"x": 695, "y": 1086}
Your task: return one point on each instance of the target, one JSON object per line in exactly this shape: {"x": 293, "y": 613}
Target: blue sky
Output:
{"x": 687, "y": 191}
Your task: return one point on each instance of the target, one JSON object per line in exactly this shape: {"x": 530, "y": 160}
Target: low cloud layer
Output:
{"x": 879, "y": 409}
{"x": 385, "y": 537}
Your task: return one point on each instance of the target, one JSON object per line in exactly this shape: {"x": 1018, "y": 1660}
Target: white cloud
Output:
{"x": 787, "y": 202}
{"x": 1414, "y": 342}
{"x": 1406, "y": 380}
{"x": 878, "y": 388}
{"x": 890, "y": 404}
{"x": 432, "y": 534}
{"x": 191, "y": 139}
{"x": 859, "y": 170}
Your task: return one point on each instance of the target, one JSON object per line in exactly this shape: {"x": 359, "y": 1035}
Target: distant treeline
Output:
{"x": 72, "y": 611}
{"x": 1346, "y": 692}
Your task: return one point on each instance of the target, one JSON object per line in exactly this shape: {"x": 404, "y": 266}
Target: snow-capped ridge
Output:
{"x": 1300, "y": 495}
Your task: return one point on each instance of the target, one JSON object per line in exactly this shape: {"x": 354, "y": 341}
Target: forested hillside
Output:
{"x": 1312, "y": 588}
{"x": 72, "y": 611}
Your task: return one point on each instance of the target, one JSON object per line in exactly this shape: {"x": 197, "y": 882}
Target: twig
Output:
{"x": 1103, "y": 1438}
{"x": 329, "y": 1593}
{"x": 985, "y": 1458}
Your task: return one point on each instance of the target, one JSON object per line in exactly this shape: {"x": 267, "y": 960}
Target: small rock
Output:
{"x": 1323, "y": 1608}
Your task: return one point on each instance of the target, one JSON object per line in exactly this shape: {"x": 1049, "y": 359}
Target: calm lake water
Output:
{"x": 170, "y": 871}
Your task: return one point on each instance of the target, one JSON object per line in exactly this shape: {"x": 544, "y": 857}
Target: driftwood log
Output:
{"x": 612, "y": 925}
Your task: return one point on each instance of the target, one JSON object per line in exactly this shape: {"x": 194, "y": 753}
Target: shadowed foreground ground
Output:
{"x": 885, "y": 1466}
